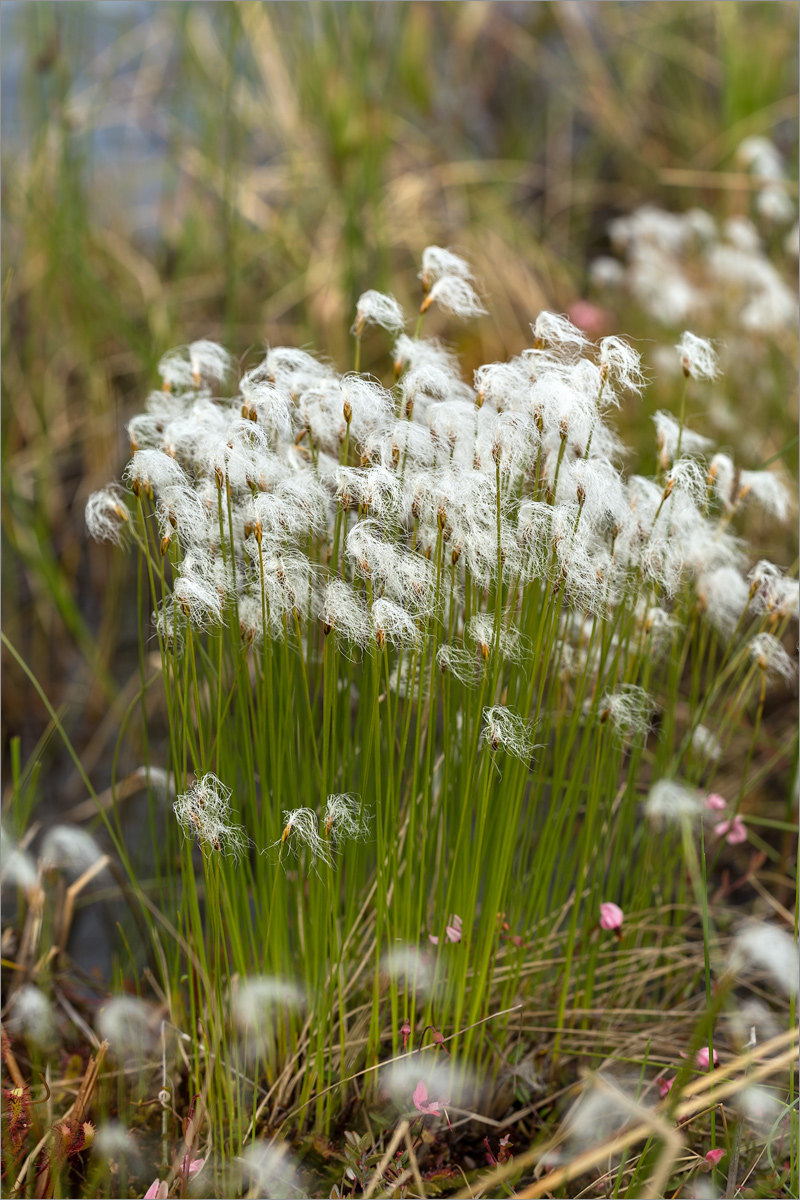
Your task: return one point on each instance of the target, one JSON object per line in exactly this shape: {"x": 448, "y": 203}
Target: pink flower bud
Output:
{"x": 611, "y": 916}
{"x": 713, "y": 1156}
{"x": 734, "y": 831}
{"x": 715, "y": 803}
{"x": 701, "y": 1058}
{"x": 453, "y": 930}
{"x": 664, "y": 1085}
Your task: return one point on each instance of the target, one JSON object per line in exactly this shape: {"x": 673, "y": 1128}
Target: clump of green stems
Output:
{"x": 522, "y": 836}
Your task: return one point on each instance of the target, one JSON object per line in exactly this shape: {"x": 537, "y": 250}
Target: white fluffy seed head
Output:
{"x": 376, "y": 308}
{"x": 767, "y": 489}
{"x": 767, "y": 949}
{"x": 698, "y": 357}
{"x": 190, "y": 366}
{"x": 671, "y": 802}
{"x": 762, "y": 1109}
{"x": 107, "y": 517}
{"x": 761, "y": 157}
{"x": 768, "y": 653}
{"x": 622, "y": 364}
{"x": 410, "y": 966}
{"x": 772, "y": 592}
{"x": 605, "y": 1105}
{"x": 209, "y": 361}
{"x": 413, "y": 353}
{"x": 438, "y": 262}
{"x": 705, "y": 744}
{"x": 455, "y": 295}
{"x": 513, "y": 646}
{"x": 505, "y": 729}
{"x": 724, "y": 595}
{"x": 32, "y": 1014}
{"x": 204, "y": 813}
{"x": 198, "y": 599}
{"x": 344, "y": 611}
{"x": 446, "y": 1082}
{"x": 460, "y": 663}
{"x": 629, "y": 710}
{"x": 151, "y": 470}
{"x": 558, "y": 332}
{"x": 70, "y": 849}
{"x": 301, "y": 831}
{"x": 18, "y": 867}
{"x": 345, "y": 819}
{"x": 260, "y": 999}
{"x": 606, "y": 272}
{"x": 270, "y": 1171}
{"x": 114, "y": 1142}
{"x": 392, "y": 623}
{"x": 130, "y": 1025}
{"x": 668, "y": 431}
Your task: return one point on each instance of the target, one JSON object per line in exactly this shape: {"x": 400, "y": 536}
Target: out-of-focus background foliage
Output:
{"x": 243, "y": 170}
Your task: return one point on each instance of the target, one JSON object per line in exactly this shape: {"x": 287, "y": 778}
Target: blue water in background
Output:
{"x": 50, "y": 55}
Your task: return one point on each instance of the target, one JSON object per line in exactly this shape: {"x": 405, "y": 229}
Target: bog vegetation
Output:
{"x": 462, "y": 714}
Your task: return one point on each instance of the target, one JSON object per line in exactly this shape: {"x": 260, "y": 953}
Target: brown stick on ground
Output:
{"x": 76, "y": 1112}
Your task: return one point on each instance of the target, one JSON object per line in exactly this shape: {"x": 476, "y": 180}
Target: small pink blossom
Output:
{"x": 715, "y": 803}
{"x": 702, "y": 1060}
{"x": 713, "y": 1156}
{"x": 589, "y": 317}
{"x": 452, "y": 930}
{"x": 191, "y": 1168}
{"x": 158, "y": 1190}
{"x": 664, "y": 1085}
{"x": 405, "y": 1029}
{"x": 611, "y": 916}
{"x": 734, "y": 831}
{"x": 422, "y": 1104}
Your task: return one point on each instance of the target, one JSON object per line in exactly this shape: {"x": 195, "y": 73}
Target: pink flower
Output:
{"x": 422, "y": 1104}
{"x": 157, "y": 1191}
{"x": 405, "y": 1029}
{"x": 589, "y": 317}
{"x": 734, "y": 831}
{"x": 611, "y": 916}
{"x": 701, "y": 1058}
{"x": 664, "y": 1085}
{"x": 191, "y": 1168}
{"x": 713, "y": 1157}
{"x": 452, "y": 930}
{"x": 715, "y": 803}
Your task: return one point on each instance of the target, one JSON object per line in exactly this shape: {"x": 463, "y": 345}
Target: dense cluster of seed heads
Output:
{"x": 390, "y": 513}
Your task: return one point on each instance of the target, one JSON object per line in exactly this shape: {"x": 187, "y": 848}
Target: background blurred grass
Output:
{"x": 244, "y": 170}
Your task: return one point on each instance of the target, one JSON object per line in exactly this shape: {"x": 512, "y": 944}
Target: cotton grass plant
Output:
{"x": 432, "y": 662}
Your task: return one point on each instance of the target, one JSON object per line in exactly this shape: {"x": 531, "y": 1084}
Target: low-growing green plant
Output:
{"x": 446, "y": 693}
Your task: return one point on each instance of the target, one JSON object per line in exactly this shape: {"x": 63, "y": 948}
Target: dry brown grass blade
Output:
{"x": 397, "y": 1137}
{"x": 651, "y": 1124}
{"x": 701, "y": 1092}
{"x": 127, "y": 787}
{"x": 72, "y": 893}
{"x": 274, "y": 71}
{"x": 412, "y": 1158}
{"x": 721, "y": 180}
{"x": 11, "y": 1063}
{"x": 76, "y": 1111}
